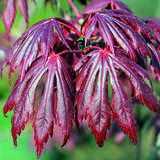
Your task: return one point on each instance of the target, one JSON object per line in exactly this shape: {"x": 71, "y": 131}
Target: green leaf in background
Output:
{"x": 144, "y": 8}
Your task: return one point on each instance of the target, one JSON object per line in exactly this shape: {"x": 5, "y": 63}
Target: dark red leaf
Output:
{"x": 55, "y": 106}
{"x": 119, "y": 47}
{"x": 155, "y": 25}
{"x": 22, "y": 98}
{"x": 35, "y": 42}
{"x": 92, "y": 92}
{"x": 142, "y": 91}
{"x": 114, "y": 30}
{"x": 92, "y": 99}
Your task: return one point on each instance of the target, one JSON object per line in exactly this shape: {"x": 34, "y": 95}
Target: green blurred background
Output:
{"x": 87, "y": 149}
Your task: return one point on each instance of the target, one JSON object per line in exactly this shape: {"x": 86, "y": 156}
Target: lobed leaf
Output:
{"x": 92, "y": 98}
{"x": 35, "y": 42}
{"x": 55, "y": 106}
{"x": 92, "y": 92}
{"x": 127, "y": 42}
{"x": 121, "y": 29}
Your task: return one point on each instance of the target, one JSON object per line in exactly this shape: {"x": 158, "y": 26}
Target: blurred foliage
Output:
{"x": 87, "y": 149}
{"x": 144, "y": 8}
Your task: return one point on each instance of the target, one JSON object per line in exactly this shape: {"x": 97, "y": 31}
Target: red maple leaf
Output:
{"x": 55, "y": 106}
{"x": 100, "y": 69}
{"x": 120, "y": 44}
{"x": 37, "y": 41}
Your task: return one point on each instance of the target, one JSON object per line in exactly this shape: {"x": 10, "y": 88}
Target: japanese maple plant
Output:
{"x": 78, "y": 63}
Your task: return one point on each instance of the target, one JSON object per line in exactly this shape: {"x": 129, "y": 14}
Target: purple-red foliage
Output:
{"x": 104, "y": 4}
{"x": 92, "y": 101}
{"x": 9, "y": 13}
{"x": 76, "y": 82}
{"x": 155, "y": 48}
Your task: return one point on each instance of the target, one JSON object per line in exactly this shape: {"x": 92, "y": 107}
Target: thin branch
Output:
{"x": 80, "y": 51}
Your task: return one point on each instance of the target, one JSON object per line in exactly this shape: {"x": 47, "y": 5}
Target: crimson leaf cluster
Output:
{"x": 76, "y": 82}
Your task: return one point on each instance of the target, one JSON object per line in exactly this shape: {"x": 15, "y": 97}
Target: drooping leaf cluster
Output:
{"x": 77, "y": 68}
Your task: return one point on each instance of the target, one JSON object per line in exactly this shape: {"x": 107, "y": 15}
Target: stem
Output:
{"x": 79, "y": 51}
{"x": 71, "y": 28}
{"x": 74, "y": 8}
{"x": 86, "y": 27}
{"x": 93, "y": 47}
